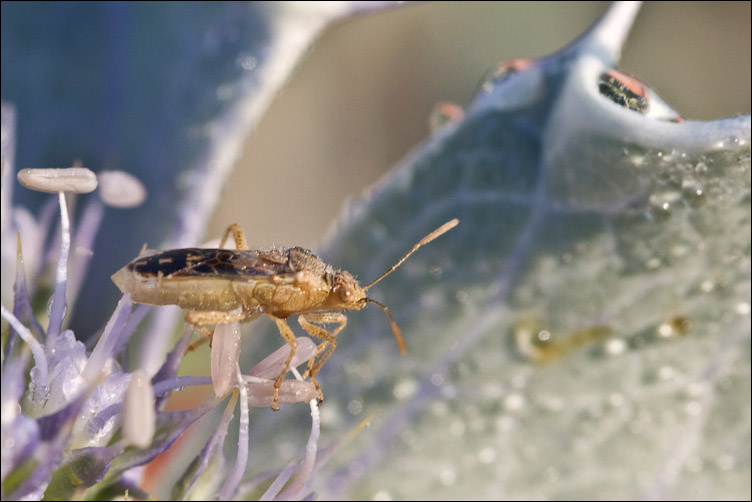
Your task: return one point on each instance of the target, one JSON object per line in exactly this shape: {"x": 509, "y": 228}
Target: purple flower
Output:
{"x": 75, "y": 418}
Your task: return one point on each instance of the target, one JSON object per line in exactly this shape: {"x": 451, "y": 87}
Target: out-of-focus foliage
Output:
{"x": 584, "y": 331}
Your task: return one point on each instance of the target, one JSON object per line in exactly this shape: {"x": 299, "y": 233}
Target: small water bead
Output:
{"x": 693, "y": 193}
{"x": 504, "y": 70}
{"x": 405, "y": 389}
{"x": 246, "y": 61}
{"x": 383, "y": 495}
{"x": 444, "y": 113}
{"x": 514, "y": 402}
{"x": 448, "y": 477}
{"x": 661, "y": 205}
{"x": 615, "y": 346}
{"x": 487, "y": 455}
{"x": 355, "y": 407}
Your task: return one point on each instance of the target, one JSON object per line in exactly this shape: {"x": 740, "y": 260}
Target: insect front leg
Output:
{"x": 237, "y": 234}
{"x": 329, "y": 339}
{"x": 289, "y": 336}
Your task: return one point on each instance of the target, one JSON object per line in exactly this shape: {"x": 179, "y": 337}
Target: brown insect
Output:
{"x": 223, "y": 285}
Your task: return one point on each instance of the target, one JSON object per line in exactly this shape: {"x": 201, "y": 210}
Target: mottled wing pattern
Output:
{"x": 199, "y": 262}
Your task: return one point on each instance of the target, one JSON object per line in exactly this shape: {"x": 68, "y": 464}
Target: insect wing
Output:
{"x": 199, "y": 262}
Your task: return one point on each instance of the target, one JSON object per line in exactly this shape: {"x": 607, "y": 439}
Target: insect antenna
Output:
{"x": 395, "y": 329}
{"x": 425, "y": 240}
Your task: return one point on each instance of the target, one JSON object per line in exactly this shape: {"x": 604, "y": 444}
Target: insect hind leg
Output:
{"x": 237, "y": 234}
{"x": 289, "y": 337}
{"x": 198, "y": 319}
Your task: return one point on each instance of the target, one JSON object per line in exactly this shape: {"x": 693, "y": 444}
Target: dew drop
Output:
{"x": 615, "y": 346}
{"x": 355, "y": 407}
{"x": 246, "y": 61}
{"x": 693, "y": 193}
{"x": 457, "y": 428}
{"x": 444, "y": 113}
{"x": 462, "y": 297}
{"x": 405, "y": 389}
{"x": 514, "y": 402}
{"x": 666, "y": 373}
{"x": 437, "y": 379}
{"x": 660, "y": 205}
{"x": 49, "y": 307}
{"x": 502, "y": 71}
{"x": 487, "y": 455}
{"x": 448, "y": 477}
{"x": 382, "y": 495}
{"x": 653, "y": 263}
{"x": 616, "y": 400}
{"x": 665, "y": 330}
{"x": 35, "y": 374}
{"x": 693, "y": 408}
{"x": 224, "y": 92}
{"x": 70, "y": 387}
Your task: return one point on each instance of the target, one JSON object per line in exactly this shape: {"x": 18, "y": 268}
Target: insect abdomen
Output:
{"x": 192, "y": 293}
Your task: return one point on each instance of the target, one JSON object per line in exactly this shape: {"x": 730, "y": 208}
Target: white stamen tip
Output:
{"x": 120, "y": 189}
{"x": 53, "y": 180}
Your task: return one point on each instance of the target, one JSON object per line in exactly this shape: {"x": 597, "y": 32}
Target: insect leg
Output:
{"x": 289, "y": 337}
{"x": 197, "y": 319}
{"x": 329, "y": 339}
{"x": 237, "y": 234}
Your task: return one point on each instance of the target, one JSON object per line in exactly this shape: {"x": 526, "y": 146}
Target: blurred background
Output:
{"x": 357, "y": 103}
{"x": 360, "y": 100}
{"x": 134, "y": 86}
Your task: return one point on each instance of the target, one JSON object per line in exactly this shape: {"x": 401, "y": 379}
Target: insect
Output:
{"x": 624, "y": 90}
{"x": 222, "y": 285}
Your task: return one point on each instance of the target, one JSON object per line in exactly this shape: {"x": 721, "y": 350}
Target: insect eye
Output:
{"x": 344, "y": 293}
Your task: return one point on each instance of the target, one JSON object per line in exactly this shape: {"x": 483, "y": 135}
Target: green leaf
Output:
{"x": 584, "y": 332}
